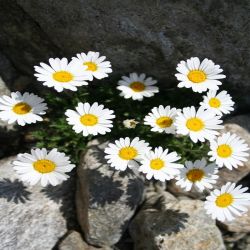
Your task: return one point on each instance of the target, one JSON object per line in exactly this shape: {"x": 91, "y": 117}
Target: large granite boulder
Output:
{"x": 33, "y": 217}
{"x": 167, "y": 223}
{"x": 143, "y": 36}
{"x": 106, "y": 199}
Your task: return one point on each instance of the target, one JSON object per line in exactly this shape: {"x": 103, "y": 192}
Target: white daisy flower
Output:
{"x": 130, "y": 123}
{"x": 200, "y": 76}
{"x": 162, "y": 119}
{"x": 90, "y": 119}
{"x": 137, "y": 86}
{"x": 220, "y": 103}
{"x": 23, "y": 109}
{"x": 125, "y": 152}
{"x": 197, "y": 174}
{"x": 160, "y": 164}
{"x": 61, "y": 75}
{"x": 228, "y": 150}
{"x": 93, "y": 64}
{"x": 228, "y": 202}
{"x": 199, "y": 125}
{"x": 47, "y": 167}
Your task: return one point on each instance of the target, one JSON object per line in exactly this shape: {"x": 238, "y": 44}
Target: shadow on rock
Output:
{"x": 13, "y": 191}
{"x": 65, "y": 194}
{"x": 98, "y": 154}
{"x": 104, "y": 190}
{"x": 175, "y": 222}
{"x": 134, "y": 184}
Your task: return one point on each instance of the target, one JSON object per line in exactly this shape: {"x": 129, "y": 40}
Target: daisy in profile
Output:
{"x": 23, "y": 109}
{"x": 125, "y": 152}
{"x": 228, "y": 202}
{"x": 137, "y": 86}
{"x": 160, "y": 164}
{"x": 228, "y": 150}
{"x": 60, "y": 75}
{"x": 200, "y": 76}
{"x": 161, "y": 119}
{"x": 47, "y": 167}
{"x": 199, "y": 125}
{"x": 93, "y": 64}
{"x": 90, "y": 119}
{"x": 220, "y": 103}
{"x": 197, "y": 174}
{"x": 130, "y": 123}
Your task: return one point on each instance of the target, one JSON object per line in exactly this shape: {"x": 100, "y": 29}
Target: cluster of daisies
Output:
{"x": 200, "y": 124}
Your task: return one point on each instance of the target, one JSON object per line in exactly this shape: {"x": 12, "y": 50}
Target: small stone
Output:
{"x": 106, "y": 199}
{"x": 240, "y": 225}
{"x": 74, "y": 241}
{"x": 33, "y": 217}
{"x": 176, "y": 225}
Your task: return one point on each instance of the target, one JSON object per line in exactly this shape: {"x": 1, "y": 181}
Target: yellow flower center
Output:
{"x": 195, "y": 124}
{"x": 197, "y": 76}
{"x": 44, "y": 166}
{"x": 128, "y": 153}
{"x": 89, "y": 120}
{"x": 194, "y": 175}
{"x": 63, "y": 76}
{"x": 214, "y": 102}
{"x": 224, "y": 200}
{"x": 21, "y": 108}
{"x": 164, "y": 122}
{"x": 91, "y": 66}
{"x": 137, "y": 86}
{"x": 157, "y": 164}
{"x": 224, "y": 150}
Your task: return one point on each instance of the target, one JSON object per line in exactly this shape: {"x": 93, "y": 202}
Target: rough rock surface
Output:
{"x": 74, "y": 241}
{"x": 240, "y": 224}
{"x": 32, "y": 217}
{"x": 106, "y": 199}
{"x": 151, "y": 40}
{"x": 166, "y": 223}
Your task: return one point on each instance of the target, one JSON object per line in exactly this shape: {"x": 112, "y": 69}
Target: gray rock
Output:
{"x": 3, "y": 88}
{"x": 241, "y": 120}
{"x": 240, "y": 225}
{"x": 178, "y": 191}
{"x": 106, "y": 199}
{"x": 32, "y": 217}
{"x": 167, "y": 223}
{"x": 151, "y": 40}
{"x": 74, "y": 241}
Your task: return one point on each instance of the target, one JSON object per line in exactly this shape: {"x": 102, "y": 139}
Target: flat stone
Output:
{"x": 106, "y": 199}
{"x": 74, "y": 241}
{"x": 32, "y": 217}
{"x": 177, "y": 225}
{"x": 240, "y": 225}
